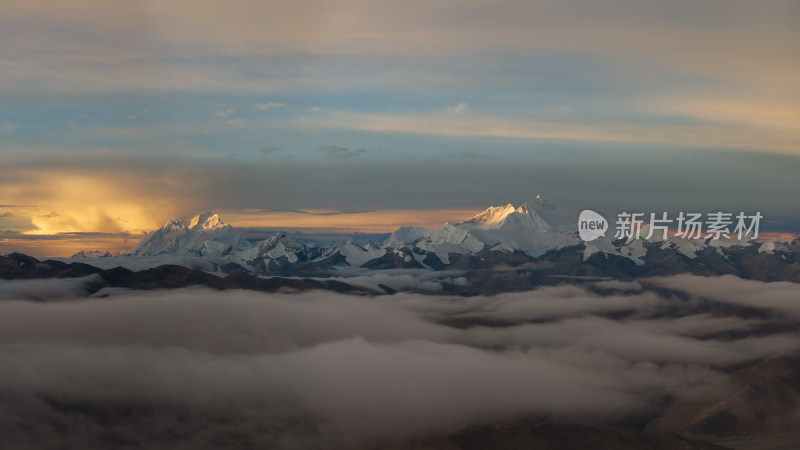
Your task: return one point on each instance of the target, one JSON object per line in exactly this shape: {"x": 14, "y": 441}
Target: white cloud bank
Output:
{"x": 288, "y": 371}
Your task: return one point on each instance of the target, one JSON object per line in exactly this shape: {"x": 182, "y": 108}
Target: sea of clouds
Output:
{"x": 201, "y": 368}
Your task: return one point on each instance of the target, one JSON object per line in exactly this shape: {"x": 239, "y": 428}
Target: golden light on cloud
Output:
{"x": 65, "y": 245}
{"x": 380, "y": 221}
{"x": 63, "y": 201}
{"x": 58, "y": 212}
{"x": 61, "y": 243}
{"x": 80, "y": 202}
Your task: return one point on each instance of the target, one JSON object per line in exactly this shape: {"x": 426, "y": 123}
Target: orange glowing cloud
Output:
{"x": 73, "y": 201}
{"x": 381, "y": 221}
{"x": 52, "y": 240}
{"x": 136, "y": 200}
{"x": 61, "y": 211}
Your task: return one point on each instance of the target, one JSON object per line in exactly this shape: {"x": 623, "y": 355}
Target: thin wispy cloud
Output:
{"x": 720, "y": 135}
{"x": 317, "y": 213}
{"x": 341, "y": 153}
{"x": 459, "y": 108}
{"x": 469, "y": 154}
{"x": 224, "y": 112}
{"x": 265, "y": 106}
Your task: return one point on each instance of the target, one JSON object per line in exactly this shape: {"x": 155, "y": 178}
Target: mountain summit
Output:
{"x": 551, "y": 213}
{"x": 208, "y": 220}
{"x": 537, "y": 214}
{"x": 203, "y": 234}
{"x": 492, "y": 215}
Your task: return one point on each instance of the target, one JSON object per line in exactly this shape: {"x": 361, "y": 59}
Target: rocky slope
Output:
{"x": 17, "y": 266}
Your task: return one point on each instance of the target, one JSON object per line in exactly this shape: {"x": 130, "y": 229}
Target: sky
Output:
{"x": 116, "y": 117}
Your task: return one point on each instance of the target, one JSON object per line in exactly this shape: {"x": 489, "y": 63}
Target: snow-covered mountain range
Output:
{"x": 533, "y": 228}
{"x": 536, "y": 230}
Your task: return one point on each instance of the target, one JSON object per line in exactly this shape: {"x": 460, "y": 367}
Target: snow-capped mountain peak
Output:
{"x": 205, "y": 233}
{"x": 553, "y": 215}
{"x": 173, "y": 225}
{"x": 493, "y": 214}
{"x": 206, "y": 221}
{"x": 537, "y": 214}
{"x": 508, "y": 216}
{"x": 91, "y": 254}
{"x": 533, "y": 228}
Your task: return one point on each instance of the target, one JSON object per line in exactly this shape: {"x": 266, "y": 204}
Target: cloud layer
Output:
{"x": 297, "y": 370}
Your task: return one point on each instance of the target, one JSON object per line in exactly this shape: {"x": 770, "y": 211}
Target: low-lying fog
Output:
{"x": 201, "y": 368}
